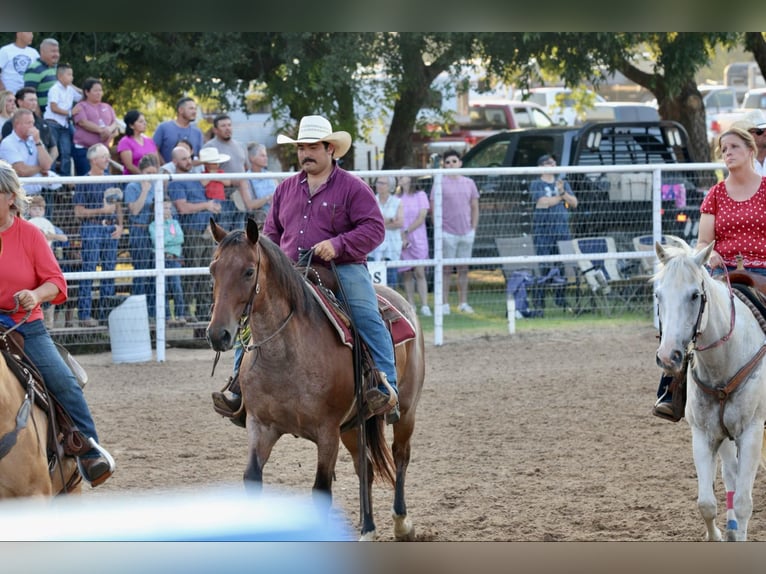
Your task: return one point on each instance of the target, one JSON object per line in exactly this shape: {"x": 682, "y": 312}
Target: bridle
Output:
{"x": 698, "y": 322}
{"x": 247, "y": 310}
{"x": 722, "y": 393}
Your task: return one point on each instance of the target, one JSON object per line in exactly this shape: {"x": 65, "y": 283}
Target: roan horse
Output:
{"x": 297, "y": 377}
{"x": 24, "y": 440}
{"x": 726, "y": 380}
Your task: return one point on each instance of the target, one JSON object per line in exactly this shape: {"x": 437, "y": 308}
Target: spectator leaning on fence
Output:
{"x": 98, "y": 208}
{"x": 194, "y": 213}
{"x": 138, "y": 198}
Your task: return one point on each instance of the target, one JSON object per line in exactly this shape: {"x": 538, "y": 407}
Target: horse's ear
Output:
{"x": 660, "y": 251}
{"x": 251, "y": 230}
{"x": 217, "y": 231}
{"x": 702, "y": 257}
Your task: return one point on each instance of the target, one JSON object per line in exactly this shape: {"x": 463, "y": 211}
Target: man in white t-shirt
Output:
{"x": 15, "y": 58}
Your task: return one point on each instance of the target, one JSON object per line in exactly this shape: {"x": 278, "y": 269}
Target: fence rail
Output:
{"x": 489, "y": 274}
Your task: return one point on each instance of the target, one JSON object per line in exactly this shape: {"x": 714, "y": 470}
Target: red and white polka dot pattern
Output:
{"x": 740, "y": 226}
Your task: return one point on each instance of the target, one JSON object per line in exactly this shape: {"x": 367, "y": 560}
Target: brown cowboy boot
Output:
{"x": 230, "y": 405}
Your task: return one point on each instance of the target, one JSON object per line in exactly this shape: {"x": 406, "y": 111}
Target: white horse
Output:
{"x": 726, "y": 380}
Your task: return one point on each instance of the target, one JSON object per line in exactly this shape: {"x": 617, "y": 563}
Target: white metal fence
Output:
{"x": 613, "y": 211}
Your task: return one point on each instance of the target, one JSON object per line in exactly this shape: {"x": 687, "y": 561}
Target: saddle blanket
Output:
{"x": 398, "y": 325}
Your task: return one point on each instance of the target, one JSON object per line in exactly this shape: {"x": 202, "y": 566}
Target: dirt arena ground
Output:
{"x": 543, "y": 436}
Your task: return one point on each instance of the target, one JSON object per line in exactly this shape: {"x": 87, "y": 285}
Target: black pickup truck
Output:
{"x": 618, "y": 204}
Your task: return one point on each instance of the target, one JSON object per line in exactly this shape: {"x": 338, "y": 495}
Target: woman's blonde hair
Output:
{"x": 9, "y": 183}
{"x": 742, "y": 134}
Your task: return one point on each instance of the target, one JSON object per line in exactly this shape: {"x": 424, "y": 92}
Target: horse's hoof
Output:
{"x": 368, "y": 536}
{"x": 403, "y": 529}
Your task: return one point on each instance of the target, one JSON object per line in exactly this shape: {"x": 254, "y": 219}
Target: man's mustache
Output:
{"x": 307, "y": 160}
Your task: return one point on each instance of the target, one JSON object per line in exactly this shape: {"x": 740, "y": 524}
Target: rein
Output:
{"x": 732, "y": 319}
{"x": 723, "y": 393}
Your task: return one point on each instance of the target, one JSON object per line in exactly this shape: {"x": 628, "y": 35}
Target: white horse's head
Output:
{"x": 681, "y": 290}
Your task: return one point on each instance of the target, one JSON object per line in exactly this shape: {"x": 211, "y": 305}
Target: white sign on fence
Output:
{"x": 377, "y": 271}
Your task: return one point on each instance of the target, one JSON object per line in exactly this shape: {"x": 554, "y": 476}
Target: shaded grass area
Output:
{"x": 487, "y": 296}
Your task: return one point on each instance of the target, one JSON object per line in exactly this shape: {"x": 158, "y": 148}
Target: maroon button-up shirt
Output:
{"x": 343, "y": 210}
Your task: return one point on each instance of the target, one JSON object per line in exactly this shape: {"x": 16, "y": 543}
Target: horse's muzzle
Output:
{"x": 671, "y": 363}
{"x": 219, "y": 339}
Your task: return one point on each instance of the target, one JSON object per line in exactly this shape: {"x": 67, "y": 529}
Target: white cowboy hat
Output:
{"x": 313, "y": 129}
{"x": 752, "y": 119}
{"x": 211, "y": 155}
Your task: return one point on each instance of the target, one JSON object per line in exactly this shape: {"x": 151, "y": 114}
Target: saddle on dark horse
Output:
{"x": 64, "y": 439}
{"x": 750, "y": 288}
{"x": 398, "y": 325}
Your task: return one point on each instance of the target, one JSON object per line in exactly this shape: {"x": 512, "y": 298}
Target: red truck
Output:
{"x": 485, "y": 117}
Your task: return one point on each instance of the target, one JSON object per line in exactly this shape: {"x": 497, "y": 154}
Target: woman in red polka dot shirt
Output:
{"x": 734, "y": 210}
{"x": 733, "y": 214}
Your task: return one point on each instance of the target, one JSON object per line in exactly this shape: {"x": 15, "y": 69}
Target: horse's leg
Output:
{"x": 369, "y": 530}
{"x": 327, "y": 456}
{"x": 749, "y": 444}
{"x": 705, "y": 461}
{"x": 261, "y": 441}
{"x": 401, "y": 449}
{"x": 728, "y": 453}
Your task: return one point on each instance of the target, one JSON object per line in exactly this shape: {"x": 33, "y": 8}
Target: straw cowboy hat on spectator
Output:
{"x": 752, "y": 119}
{"x": 212, "y": 155}
{"x": 313, "y": 129}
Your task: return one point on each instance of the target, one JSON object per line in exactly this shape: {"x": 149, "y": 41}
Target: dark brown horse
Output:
{"x": 297, "y": 376}
{"x": 24, "y": 468}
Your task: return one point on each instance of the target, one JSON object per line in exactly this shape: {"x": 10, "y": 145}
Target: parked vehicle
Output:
{"x": 609, "y": 203}
{"x": 561, "y": 105}
{"x": 621, "y": 112}
{"x": 485, "y": 118}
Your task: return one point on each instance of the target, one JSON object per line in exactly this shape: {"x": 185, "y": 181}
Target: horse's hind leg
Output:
{"x": 749, "y": 444}
{"x": 401, "y": 449}
{"x": 705, "y": 462}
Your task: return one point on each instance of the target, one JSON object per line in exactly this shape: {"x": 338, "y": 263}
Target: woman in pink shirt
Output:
{"x": 95, "y": 122}
{"x": 134, "y": 145}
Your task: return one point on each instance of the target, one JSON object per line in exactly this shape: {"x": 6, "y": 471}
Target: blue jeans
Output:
{"x": 81, "y": 163}
{"x": 363, "y": 305}
{"x": 58, "y": 377}
{"x": 63, "y": 137}
{"x": 173, "y": 288}
{"x": 97, "y": 247}
{"x": 142, "y": 255}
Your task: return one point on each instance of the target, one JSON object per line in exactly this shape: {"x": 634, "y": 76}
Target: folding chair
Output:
{"x": 646, "y": 243}
{"x": 602, "y": 275}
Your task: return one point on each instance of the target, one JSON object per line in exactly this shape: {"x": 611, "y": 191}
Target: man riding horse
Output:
{"x": 334, "y": 213}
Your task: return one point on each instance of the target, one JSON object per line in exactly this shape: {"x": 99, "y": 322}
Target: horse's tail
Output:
{"x": 380, "y": 453}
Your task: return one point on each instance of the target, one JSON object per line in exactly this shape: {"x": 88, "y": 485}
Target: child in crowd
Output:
{"x": 61, "y": 98}
{"x": 211, "y": 159}
{"x": 173, "y": 239}
{"x": 52, "y": 233}
{"x": 37, "y": 218}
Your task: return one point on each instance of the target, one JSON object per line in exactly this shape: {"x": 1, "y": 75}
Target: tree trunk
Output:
{"x": 688, "y": 109}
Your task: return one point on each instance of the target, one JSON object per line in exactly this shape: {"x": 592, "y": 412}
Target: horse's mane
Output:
{"x": 281, "y": 270}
